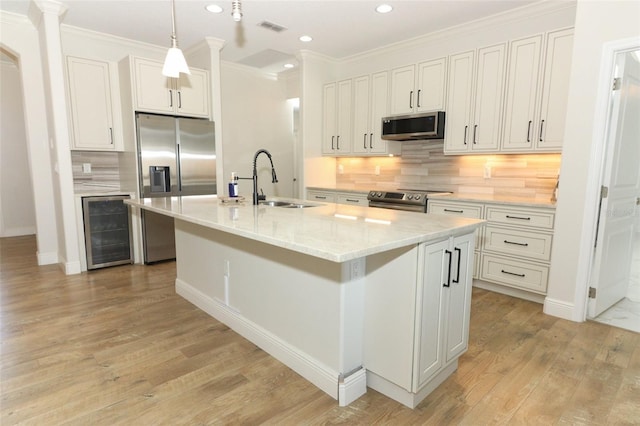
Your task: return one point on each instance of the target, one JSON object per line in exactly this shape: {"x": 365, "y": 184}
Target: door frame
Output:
{"x": 597, "y": 161}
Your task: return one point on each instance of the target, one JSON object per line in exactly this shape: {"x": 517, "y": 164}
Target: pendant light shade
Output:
{"x": 174, "y": 63}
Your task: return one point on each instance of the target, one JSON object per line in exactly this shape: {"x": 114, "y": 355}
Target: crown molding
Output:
{"x": 245, "y": 68}
{"x": 108, "y": 38}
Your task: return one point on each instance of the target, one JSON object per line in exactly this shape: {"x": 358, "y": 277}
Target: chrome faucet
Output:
{"x": 274, "y": 178}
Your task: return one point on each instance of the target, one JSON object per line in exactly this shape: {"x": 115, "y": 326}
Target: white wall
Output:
{"x": 19, "y": 37}
{"x": 597, "y": 22}
{"x": 256, "y": 115}
{"x": 17, "y": 211}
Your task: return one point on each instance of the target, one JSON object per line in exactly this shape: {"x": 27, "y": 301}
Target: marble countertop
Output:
{"x": 334, "y": 232}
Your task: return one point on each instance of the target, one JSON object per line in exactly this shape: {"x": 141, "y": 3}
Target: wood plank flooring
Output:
{"x": 118, "y": 346}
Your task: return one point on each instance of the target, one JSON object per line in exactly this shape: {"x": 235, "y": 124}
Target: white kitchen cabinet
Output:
{"x": 537, "y": 91}
{"x": 352, "y": 198}
{"x": 418, "y": 88}
{"x": 475, "y": 100}
{"x": 94, "y": 121}
{"x": 337, "y": 118}
{"x": 370, "y": 104}
{"x": 187, "y": 95}
{"x": 322, "y": 196}
{"x": 339, "y": 197}
{"x": 428, "y": 339}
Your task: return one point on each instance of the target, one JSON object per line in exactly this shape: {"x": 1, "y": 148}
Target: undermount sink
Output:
{"x": 286, "y": 204}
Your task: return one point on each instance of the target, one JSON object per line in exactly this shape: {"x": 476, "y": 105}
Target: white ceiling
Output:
{"x": 339, "y": 28}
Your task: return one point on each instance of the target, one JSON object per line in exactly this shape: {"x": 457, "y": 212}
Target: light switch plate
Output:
{"x": 86, "y": 168}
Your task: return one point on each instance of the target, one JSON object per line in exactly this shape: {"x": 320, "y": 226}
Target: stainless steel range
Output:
{"x": 402, "y": 199}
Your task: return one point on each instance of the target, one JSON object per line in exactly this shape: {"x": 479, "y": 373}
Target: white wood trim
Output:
{"x": 309, "y": 368}
{"x": 48, "y": 258}
{"x": 509, "y": 291}
{"x": 559, "y": 308}
{"x": 352, "y": 387}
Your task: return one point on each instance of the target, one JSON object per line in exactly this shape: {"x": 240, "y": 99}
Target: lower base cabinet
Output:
{"x": 414, "y": 363}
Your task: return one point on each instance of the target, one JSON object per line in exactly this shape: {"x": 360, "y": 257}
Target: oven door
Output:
{"x": 392, "y": 206}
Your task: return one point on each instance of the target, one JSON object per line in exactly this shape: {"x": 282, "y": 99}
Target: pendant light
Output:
{"x": 174, "y": 63}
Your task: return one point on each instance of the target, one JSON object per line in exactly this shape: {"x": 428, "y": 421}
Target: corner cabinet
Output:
{"x": 419, "y": 88}
{"x": 537, "y": 92}
{"x": 336, "y": 116}
{"x": 428, "y": 339}
{"x": 475, "y": 100}
{"x": 95, "y": 123}
{"x": 370, "y": 105}
{"x": 187, "y": 95}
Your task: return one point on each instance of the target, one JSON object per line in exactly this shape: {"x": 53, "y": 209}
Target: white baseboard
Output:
{"x": 559, "y": 308}
{"x": 18, "y": 232}
{"x": 309, "y": 368}
{"x": 352, "y": 387}
{"x": 509, "y": 291}
{"x": 72, "y": 268}
{"x": 50, "y": 258}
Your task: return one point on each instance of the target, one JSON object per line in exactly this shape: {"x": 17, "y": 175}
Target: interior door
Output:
{"x": 613, "y": 251}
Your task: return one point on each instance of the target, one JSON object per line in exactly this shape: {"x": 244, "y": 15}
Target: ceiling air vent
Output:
{"x": 271, "y": 26}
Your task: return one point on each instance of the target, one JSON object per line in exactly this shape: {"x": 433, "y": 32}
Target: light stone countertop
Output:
{"x": 334, "y": 232}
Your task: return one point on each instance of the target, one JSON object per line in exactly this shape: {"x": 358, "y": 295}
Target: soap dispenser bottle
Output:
{"x": 233, "y": 185}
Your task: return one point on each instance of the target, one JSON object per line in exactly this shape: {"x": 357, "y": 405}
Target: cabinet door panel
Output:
{"x": 489, "y": 93}
{"x": 344, "y": 136}
{"x": 154, "y": 91}
{"x": 459, "y": 102}
{"x": 192, "y": 95}
{"x": 432, "y": 76}
{"x": 380, "y": 108}
{"x": 403, "y": 98}
{"x": 91, "y": 104}
{"x": 361, "y": 107}
{"x": 329, "y": 117}
{"x": 459, "y": 298}
{"x": 555, "y": 90}
{"x": 428, "y": 347}
{"x": 522, "y": 91}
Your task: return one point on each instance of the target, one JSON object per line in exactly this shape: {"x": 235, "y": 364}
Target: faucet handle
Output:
{"x": 261, "y": 196}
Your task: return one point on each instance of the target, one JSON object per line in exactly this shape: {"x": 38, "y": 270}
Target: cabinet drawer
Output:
{"x": 515, "y": 273}
{"x": 456, "y": 209}
{"x": 354, "y": 199}
{"x": 513, "y": 242}
{"x": 521, "y": 217}
{"x": 326, "y": 197}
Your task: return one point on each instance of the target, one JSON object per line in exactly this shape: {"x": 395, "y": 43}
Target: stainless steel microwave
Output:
{"x": 428, "y": 125}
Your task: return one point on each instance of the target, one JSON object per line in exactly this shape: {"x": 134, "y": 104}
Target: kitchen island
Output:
{"x": 346, "y": 296}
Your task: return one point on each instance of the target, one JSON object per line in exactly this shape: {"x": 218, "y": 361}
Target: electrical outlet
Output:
{"x": 86, "y": 168}
{"x": 487, "y": 171}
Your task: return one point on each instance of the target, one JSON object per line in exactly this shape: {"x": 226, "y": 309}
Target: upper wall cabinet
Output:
{"x": 537, "y": 91}
{"x": 370, "y": 104}
{"x": 475, "y": 100}
{"x": 94, "y": 122}
{"x": 336, "y": 116}
{"x": 418, "y": 88}
{"x": 153, "y": 92}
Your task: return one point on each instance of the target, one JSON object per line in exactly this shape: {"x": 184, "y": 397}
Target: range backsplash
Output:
{"x": 422, "y": 165}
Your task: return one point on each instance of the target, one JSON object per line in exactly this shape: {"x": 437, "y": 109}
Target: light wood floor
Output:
{"x": 118, "y": 346}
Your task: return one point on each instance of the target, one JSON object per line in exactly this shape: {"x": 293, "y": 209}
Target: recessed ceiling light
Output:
{"x": 384, "y": 8}
{"x": 214, "y": 8}
{"x": 305, "y": 38}
{"x": 289, "y": 65}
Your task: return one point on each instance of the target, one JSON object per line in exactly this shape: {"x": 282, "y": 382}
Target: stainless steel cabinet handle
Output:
{"x": 448, "y": 283}
{"x": 516, "y": 243}
{"x": 332, "y": 137}
{"x": 529, "y": 131}
{"x": 370, "y": 140}
{"x": 171, "y": 98}
{"x": 453, "y": 211}
{"x": 541, "y": 127}
{"x": 338, "y": 142}
{"x": 351, "y": 200}
{"x": 411, "y": 99}
{"x": 320, "y": 197}
{"x": 364, "y": 141}
{"x": 512, "y": 273}
{"x": 475, "y": 127}
{"x": 465, "y": 134}
{"x": 418, "y": 99}
{"x": 179, "y": 99}
{"x": 111, "y": 135}
{"x": 517, "y": 217}
{"x": 457, "y": 280}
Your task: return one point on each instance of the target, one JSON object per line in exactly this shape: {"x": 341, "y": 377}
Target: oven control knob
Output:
{"x": 379, "y": 194}
{"x": 417, "y": 197}
{"x": 409, "y": 197}
{"x": 372, "y": 193}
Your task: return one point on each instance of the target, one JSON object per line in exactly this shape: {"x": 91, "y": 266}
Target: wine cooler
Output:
{"x": 107, "y": 231}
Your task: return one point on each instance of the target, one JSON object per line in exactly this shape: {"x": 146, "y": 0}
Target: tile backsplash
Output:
{"x": 422, "y": 165}
{"x": 105, "y": 170}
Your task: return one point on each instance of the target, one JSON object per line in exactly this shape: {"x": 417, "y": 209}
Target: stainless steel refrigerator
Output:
{"x": 176, "y": 156}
